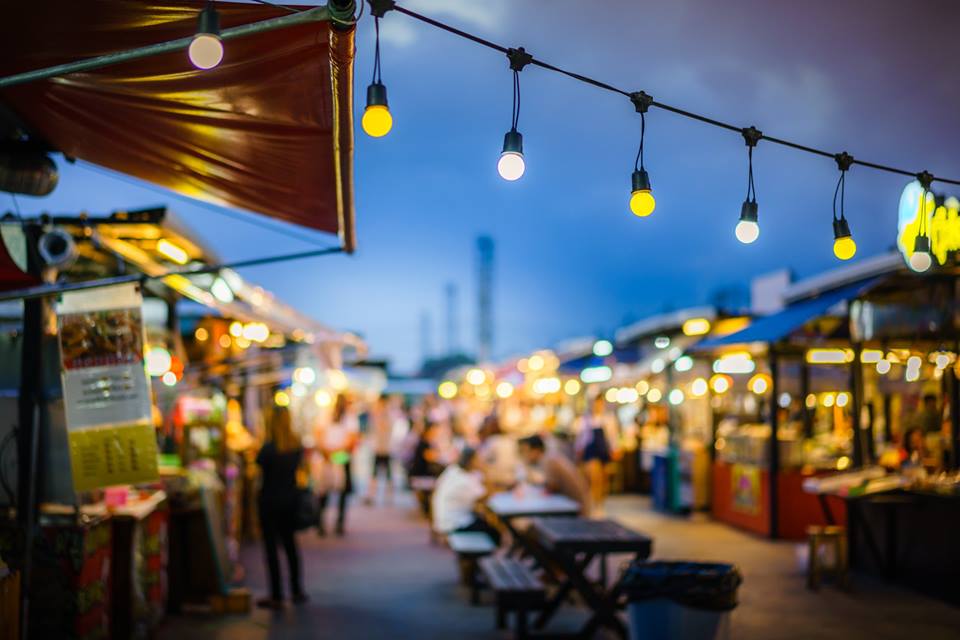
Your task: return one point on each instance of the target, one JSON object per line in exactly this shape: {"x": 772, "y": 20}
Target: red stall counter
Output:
{"x": 741, "y": 497}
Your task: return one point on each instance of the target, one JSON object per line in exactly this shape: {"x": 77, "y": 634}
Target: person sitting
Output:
{"x": 458, "y": 490}
{"x": 559, "y": 474}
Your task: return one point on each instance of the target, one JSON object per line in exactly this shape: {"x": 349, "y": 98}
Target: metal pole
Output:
{"x": 318, "y": 14}
{"x": 955, "y": 414}
{"x": 861, "y": 454}
{"x": 774, "y": 470}
{"x": 804, "y": 392}
{"x": 28, "y": 427}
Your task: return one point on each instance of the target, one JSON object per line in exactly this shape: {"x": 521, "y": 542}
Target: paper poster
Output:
{"x": 106, "y": 392}
{"x": 745, "y": 481}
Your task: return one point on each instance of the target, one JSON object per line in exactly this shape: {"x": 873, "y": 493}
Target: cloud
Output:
{"x": 401, "y": 31}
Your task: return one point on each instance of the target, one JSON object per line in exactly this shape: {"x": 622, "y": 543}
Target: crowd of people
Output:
{"x": 470, "y": 452}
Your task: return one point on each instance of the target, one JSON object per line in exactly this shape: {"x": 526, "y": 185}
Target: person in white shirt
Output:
{"x": 455, "y": 495}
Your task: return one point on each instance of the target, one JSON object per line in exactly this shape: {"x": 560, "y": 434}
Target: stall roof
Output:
{"x": 269, "y": 130}
{"x": 778, "y": 326}
{"x": 663, "y": 322}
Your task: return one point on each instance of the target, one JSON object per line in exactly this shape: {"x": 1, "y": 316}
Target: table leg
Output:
{"x": 571, "y": 568}
{"x": 825, "y": 507}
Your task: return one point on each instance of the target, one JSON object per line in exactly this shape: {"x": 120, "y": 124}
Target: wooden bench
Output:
{"x": 422, "y": 487}
{"x": 516, "y": 589}
{"x": 470, "y": 546}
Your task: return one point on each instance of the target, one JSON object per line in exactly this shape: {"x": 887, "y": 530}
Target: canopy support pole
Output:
{"x": 773, "y": 473}
{"x": 861, "y": 449}
{"x": 318, "y": 14}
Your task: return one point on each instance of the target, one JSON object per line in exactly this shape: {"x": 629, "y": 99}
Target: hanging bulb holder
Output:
{"x": 841, "y": 228}
{"x": 925, "y": 178}
{"x": 519, "y": 58}
{"x": 748, "y": 211}
{"x": 209, "y": 21}
{"x": 641, "y": 101}
{"x": 844, "y": 161}
{"x": 513, "y": 142}
{"x": 379, "y": 8}
{"x": 640, "y": 180}
{"x": 921, "y": 244}
{"x": 377, "y": 95}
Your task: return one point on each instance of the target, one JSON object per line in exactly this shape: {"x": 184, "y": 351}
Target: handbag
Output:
{"x": 306, "y": 514}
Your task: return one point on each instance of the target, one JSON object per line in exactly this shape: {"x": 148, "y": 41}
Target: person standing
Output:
{"x": 381, "y": 437}
{"x": 595, "y": 446}
{"x": 337, "y": 442}
{"x": 279, "y": 459}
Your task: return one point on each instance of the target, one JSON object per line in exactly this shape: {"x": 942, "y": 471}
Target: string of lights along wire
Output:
{"x": 206, "y": 52}
{"x": 511, "y": 164}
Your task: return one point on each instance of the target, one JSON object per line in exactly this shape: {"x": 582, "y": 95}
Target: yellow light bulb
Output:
{"x": 377, "y": 120}
{"x": 844, "y": 248}
{"x": 642, "y": 203}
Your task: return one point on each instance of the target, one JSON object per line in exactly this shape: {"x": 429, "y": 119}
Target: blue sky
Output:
{"x": 571, "y": 259}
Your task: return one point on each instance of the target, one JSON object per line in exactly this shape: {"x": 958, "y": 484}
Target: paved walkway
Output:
{"x": 384, "y": 580}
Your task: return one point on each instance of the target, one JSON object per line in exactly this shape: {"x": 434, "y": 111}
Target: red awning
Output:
{"x": 270, "y": 130}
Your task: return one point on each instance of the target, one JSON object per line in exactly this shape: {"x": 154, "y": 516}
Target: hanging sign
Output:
{"x": 745, "y": 489}
{"x": 942, "y": 223}
{"x": 106, "y": 392}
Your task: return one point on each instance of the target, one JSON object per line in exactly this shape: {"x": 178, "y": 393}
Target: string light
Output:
{"x": 511, "y": 164}
{"x": 377, "y": 120}
{"x": 748, "y": 230}
{"x": 843, "y": 245}
{"x": 642, "y": 202}
{"x": 206, "y": 48}
{"x": 920, "y": 259}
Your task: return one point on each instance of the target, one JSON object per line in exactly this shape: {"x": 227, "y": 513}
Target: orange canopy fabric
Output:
{"x": 270, "y": 130}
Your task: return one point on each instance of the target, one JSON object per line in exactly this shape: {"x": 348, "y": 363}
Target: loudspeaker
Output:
{"x": 57, "y": 248}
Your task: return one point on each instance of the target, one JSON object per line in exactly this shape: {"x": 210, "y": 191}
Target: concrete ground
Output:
{"x": 384, "y": 580}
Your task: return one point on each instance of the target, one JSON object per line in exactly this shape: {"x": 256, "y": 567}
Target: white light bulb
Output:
{"x": 511, "y": 165}
{"x": 206, "y": 51}
{"x": 920, "y": 261}
{"x": 747, "y": 231}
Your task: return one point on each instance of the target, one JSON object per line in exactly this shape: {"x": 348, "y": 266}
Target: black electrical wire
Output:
{"x": 515, "y": 120}
{"x": 638, "y": 163}
{"x": 840, "y": 191}
{"x": 661, "y": 105}
{"x": 376, "y": 52}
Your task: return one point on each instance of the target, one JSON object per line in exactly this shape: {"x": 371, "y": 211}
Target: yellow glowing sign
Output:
{"x": 829, "y": 356}
{"x": 696, "y": 327}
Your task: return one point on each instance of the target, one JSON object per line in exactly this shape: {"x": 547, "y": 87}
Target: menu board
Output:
{"x": 106, "y": 392}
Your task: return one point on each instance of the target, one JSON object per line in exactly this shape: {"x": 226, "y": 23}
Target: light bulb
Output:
{"x": 377, "y": 121}
{"x": 511, "y": 165}
{"x": 206, "y": 49}
{"x": 843, "y": 245}
{"x": 748, "y": 230}
{"x": 642, "y": 202}
{"x": 920, "y": 259}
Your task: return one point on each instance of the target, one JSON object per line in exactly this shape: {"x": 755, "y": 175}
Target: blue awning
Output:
{"x": 778, "y": 326}
{"x": 620, "y": 355}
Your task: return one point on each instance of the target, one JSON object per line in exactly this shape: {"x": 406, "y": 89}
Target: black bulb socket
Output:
{"x": 209, "y": 22}
{"x": 377, "y": 95}
{"x": 748, "y": 212}
{"x": 841, "y": 229}
{"x": 921, "y": 244}
{"x": 513, "y": 142}
{"x": 640, "y": 180}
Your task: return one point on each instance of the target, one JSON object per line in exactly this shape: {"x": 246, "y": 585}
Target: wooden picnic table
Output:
{"x": 509, "y": 507}
{"x": 568, "y": 546}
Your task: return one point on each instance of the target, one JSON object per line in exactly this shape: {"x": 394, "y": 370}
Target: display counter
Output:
{"x": 741, "y": 481}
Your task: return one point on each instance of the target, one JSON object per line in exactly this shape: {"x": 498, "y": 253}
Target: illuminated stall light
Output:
{"x": 169, "y": 378}
{"x": 683, "y": 363}
{"x": 256, "y": 332}
{"x": 642, "y": 387}
{"x": 158, "y": 361}
{"x": 626, "y": 395}
{"x": 224, "y": 341}
{"x": 843, "y": 399}
{"x": 784, "y": 400}
{"x": 829, "y": 356}
{"x": 871, "y": 356}
{"x": 221, "y": 291}
{"x": 305, "y": 375}
{"x": 298, "y": 389}
{"x": 698, "y": 388}
{"x": 476, "y": 376}
{"x": 201, "y": 334}
{"x": 759, "y": 384}
{"x": 696, "y": 327}
{"x": 720, "y": 383}
{"x": 172, "y": 252}
{"x": 544, "y": 386}
{"x": 323, "y": 398}
{"x": 447, "y": 389}
{"x": 811, "y": 401}
{"x": 611, "y": 395}
{"x": 572, "y": 387}
{"x": 675, "y": 397}
{"x": 661, "y": 342}
{"x": 883, "y": 367}
{"x": 658, "y": 365}
{"x": 602, "y": 348}
{"x": 596, "y": 374}
{"x": 236, "y": 329}
{"x": 734, "y": 363}
{"x": 535, "y": 363}
{"x": 829, "y": 399}
{"x": 654, "y": 395}
{"x": 281, "y": 399}
{"x": 504, "y": 389}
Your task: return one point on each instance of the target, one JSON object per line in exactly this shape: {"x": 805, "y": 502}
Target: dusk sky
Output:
{"x": 877, "y": 78}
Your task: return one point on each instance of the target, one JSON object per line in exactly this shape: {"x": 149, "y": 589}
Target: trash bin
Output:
{"x": 681, "y": 600}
